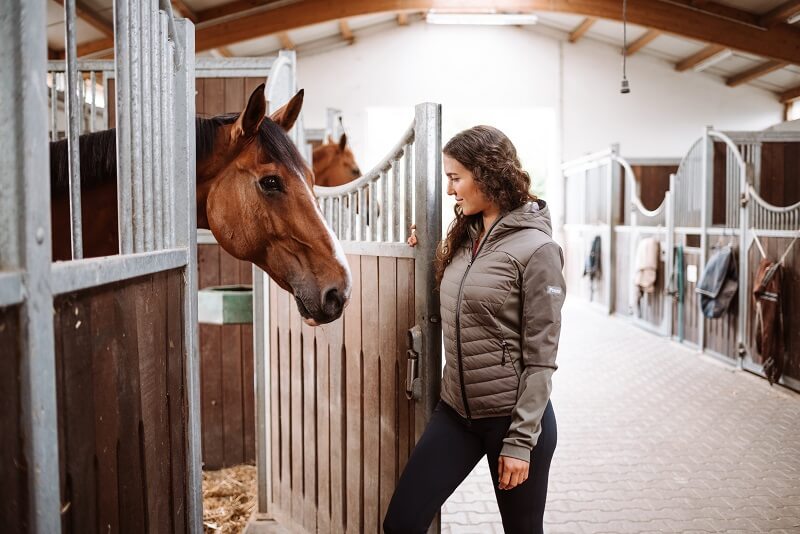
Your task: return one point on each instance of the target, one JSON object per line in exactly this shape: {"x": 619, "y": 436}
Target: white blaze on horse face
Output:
{"x": 338, "y": 251}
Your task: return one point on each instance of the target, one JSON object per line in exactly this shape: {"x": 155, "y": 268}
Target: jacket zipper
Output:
{"x": 505, "y": 352}
{"x": 458, "y": 319}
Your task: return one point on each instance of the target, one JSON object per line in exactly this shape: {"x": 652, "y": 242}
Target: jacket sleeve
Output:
{"x": 543, "y": 292}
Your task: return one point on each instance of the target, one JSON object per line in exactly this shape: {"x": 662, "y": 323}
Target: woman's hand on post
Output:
{"x": 412, "y": 239}
{"x": 511, "y": 472}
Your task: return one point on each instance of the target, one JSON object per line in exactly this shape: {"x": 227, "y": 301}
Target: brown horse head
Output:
{"x": 254, "y": 192}
{"x": 334, "y": 163}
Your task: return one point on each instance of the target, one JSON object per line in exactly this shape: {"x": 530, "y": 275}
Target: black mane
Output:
{"x": 99, "y": 154}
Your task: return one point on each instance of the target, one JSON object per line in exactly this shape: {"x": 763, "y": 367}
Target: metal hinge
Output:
{"x": 413, "y": 381}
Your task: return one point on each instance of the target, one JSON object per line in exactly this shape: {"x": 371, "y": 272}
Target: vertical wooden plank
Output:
{"x": 274, "y": 391}
{"x": 130, "y": 455}
{"x": 338, "y": 418}
{"x": 296, "y": 412}
{"x": 214, "y": 96}
{"x": 387, "y": 290}
{"x": 372, "y": 394}
{"x": 405, "y": 285}
{"x": 234, "y": 95}
{"x": 285, "y": 398}
{"x": 150, "y": 309}
{"x": 106, "y": 353}
{"x": 231, "y": 372}
{"x": 14, "y": 487}
{"x": 176, "y": 397}
{"x": 78, "y": 412}
{"x": 323, "y": 416}
{"x": 210, "y": 366}
{"x": 309, "y": 444}
{"x": 353, "y": 410}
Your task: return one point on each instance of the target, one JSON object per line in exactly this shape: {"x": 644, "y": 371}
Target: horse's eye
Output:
{"x": 270, "y": 184}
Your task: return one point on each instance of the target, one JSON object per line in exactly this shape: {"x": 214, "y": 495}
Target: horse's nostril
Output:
{"x": 333, "y": 302}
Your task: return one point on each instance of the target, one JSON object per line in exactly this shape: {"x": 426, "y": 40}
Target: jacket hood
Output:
{"x": 533, "y": 214}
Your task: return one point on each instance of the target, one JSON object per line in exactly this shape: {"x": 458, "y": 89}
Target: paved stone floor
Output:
{"x": 654, "y": 437}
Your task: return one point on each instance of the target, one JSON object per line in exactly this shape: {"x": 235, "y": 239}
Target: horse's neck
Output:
{"x": 324, "y": 158}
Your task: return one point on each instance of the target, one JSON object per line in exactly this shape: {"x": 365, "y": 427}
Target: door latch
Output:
{"x": 413, "y": 381}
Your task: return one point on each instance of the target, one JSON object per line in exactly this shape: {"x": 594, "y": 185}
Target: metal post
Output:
{"x": 408, "y": 191}
{"x": 609, "y": 261}
{"x": 25, "y": 246}
{"x": 186, "y": 223}
{"x": 147, "y": 126}
{"x": 74, "y": 109}
{"x": 122, "y": 69}
{"x": 158, "y": 51}
{"x": 707, "y": 175}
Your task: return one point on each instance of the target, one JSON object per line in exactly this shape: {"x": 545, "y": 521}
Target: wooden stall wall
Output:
{"x": 344, "y": 426}
{"x": 122, "y": 406}
{"x": 226, "y": 351}
{"x": 576, "y": 250}
{"x": 780, "y": 167}
{"x": 654, "y": 183}
{"x": 14, "y": 485}
{"x": 721, "y": 334}
{"x": 775, "y": 247}
{"x": 691, "y": 303}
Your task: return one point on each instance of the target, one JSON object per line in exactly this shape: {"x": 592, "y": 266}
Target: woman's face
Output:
{"x": 461, "y": 184}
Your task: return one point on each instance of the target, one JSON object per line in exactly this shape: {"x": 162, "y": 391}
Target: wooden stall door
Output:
{"x": 342, "y": 425}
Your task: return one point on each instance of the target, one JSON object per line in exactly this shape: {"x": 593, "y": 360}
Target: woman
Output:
{"x": 501, "y": 287}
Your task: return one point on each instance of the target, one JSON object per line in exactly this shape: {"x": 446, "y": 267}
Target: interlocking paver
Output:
{"x": 654, "y": 437}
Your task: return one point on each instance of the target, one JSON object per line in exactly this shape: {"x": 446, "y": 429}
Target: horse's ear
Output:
{"x": 286, "y": 116}
{"x": 329, "y": 139}
{"x": 342, "y": 142}
{"x": 250, "y": 119}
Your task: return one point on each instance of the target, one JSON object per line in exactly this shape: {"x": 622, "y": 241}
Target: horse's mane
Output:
{"x": 99, "y": 154}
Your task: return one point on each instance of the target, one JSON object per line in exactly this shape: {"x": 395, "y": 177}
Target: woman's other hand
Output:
{"x": 412, "y": 239}
{"x": 511, "y": 472}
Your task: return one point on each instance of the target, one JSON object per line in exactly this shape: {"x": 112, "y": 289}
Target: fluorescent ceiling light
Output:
{"x": 713, "y": 60}
{"x": 482, "y": 19}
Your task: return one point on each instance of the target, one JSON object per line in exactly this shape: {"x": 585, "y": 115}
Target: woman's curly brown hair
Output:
{"x": 492, "y": 159}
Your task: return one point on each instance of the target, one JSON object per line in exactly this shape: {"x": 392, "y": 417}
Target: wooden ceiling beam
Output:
{"x": 780, "y": 13}
{"x": 402, "y": 19}
{"x": 720, "y": 11}
{"x": 92, "y": 18}
{"x": 185, "y": 11}
{"x": 224, "y": 51}
{"x": 286, "y": 41}
{"x": 697, "y": 58}
{"x": 758, "y": 71}
{"x": 790, "y": 94}
{"x": 347, "y": 33}
{"x": 676, "y": 17}
{"x": 648, "y": 37}
{"x": 581, "y": 29}
{"x": 237, "y": 7}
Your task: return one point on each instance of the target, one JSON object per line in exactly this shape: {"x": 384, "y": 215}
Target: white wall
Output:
{"x": 483, "y": 74}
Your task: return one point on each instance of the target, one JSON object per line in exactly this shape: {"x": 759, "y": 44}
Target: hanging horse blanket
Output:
{"x": 592, "y": 267}
{"x": 718, "y": 284}
{"x": 647, "y": 252}
{"x": 769, "y": 318}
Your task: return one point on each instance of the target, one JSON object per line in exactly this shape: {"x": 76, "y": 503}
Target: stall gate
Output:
{"x": 715, "y": 198}
{"x": 348, "y": 400}
{"x": 99, "y": 387}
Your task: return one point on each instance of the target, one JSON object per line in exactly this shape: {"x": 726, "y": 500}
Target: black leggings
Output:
{"x": 448, "y": 451}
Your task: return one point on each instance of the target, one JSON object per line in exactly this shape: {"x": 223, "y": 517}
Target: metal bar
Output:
{"x": 67, "y": 277}
{"x": 262, "y": 351}
{"x": 92, "y": 106}
{"x": 25, "y": 247}
{"x": 147, "y": 126}
{"x": 74, "y": 109}
{"x": 107, "y": 97}
{"x": 397, "y": 221}
{"x": 408, "y": 191}
{"x": 165, "y": 128}
{"x": 136, "y": 125}
{"x": 383, "y": 207}
{"x": 122, "y": 95}
{"x": 53, "y": 106}
{"x": 170, "y": 145}
{"x": 372, "y": 212}
{"x": 158, "y": 79}
{"x": 186, "y": 214}
{"x": 351, "y": 206}
{"x": 11, "y": 289}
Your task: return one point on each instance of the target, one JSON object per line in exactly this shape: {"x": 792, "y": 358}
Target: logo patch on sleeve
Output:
{"x": 553, "y": 290}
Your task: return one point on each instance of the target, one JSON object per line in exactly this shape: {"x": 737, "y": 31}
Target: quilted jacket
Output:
{"x": 501, "y": 319}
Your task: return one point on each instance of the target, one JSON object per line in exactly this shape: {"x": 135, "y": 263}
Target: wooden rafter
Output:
{"x": 237, "y": 7}
{"x": 697, "y": 58}
{"x": 91, "y": 17}
{"x": 781, "y": 13}
{"x": 224, "y": 51}
{"x": 790, "y": 94}
{"x": 402, "y": 19}
{"x": 648, "y": 37}
{"x": 347, "y": 33}
{"x": 758, "y": 71}
{"x": 185, "y": 11}
{"x": 720, "y": 11}
{"x": 734, "y": 29}
{"x": 581, "y": 29}
{"x": 286, "y": 41}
